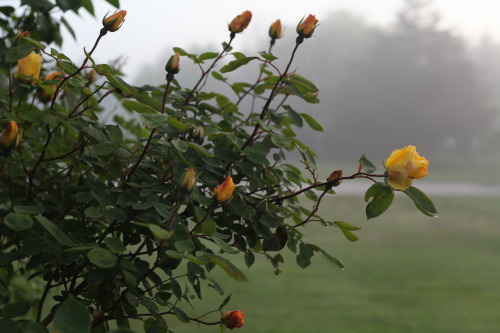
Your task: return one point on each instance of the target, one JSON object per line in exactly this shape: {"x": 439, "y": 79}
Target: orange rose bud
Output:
{"x": 276, "y": 31}
{"x": 334, "y": 176}
{"x": 30, "y": 65}
{"x": 224, "y": 191}
{"x": 306, "y": 27}
{"x": 173, "y": 64}
{"x": 240, "y": 22}
{"x": 55, "y": 76}
{"x": 233, "y": 319}
{"x": 188, "y": 181}
{"x": 115, "y": 21}
{"x": 11, "y": 136}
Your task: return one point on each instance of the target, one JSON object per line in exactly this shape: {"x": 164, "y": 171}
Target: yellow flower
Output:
{"x": 276, "y": 31}
{"x": 240, "y": 22}
{"x": 115, "y": 21}
{"x": 306, "y": 27}
{"x": 30, "y": 65}
{"x": 188, "y": 181}
{"x": 404, "y": 165}
{"x": 173, "y": 64}
{"x": 11, "y": 136}
{"x": 224, "y": 191}
{"x": 233, "y": 319}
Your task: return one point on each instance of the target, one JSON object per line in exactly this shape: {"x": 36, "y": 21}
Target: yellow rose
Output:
{"x": 11, "y": 136}
{"x": 224, "y": 191}
{"x": 30, "y": 65}
{"x": 240, "y": 22}
{"x": 404, "y": 165}
{"x": 115, "y": 21}
{"x": 306, "y": 27}
{"x": 188, "y": 181}
{"x": 276, "y": 31}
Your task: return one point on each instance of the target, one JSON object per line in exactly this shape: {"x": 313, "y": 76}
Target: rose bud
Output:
{"x": 306, "y": 27}
{"x": 233, "y": 319}
{"x": 240, "y": 22}
{"x": 224, "y": 191}
{"x": 30, "y": 66}
{"x": 173, "y": 64}
{"x": 115, "y": 21}
{"x": 276, "y": 31}
{"x": 11, "y": 136}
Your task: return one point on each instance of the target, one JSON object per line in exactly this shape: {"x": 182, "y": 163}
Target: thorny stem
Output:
{"x": 265, "y": 108}
{"x": 66, "y": 78}
{"x": 205, "y": 73}
{"x": 278, "y": 198}
{"x": 145, "y": 150}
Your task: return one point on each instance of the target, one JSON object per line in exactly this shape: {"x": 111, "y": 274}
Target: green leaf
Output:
{"x": 346, "y": 226}
{"x": 349, "y": 235}
{"x": 177, "y": 123}
{"x": 423, "y": 203}
{"x": 18, "y": 222}
{"x": 116, "y": 135}
{"x": 28, "y": 209}
{"x": 312, "y": 122}
{"x": 18, "y": 52}
{"x": 382, "y": 198}
{"x": 156, "y": 230}
{"x": 281, "y": 140}
{"x": 115, "y": 245}
{"x": 268, "y": 56}
{"x": 139, "y": 107}
{"x": 153, "y": 120}
{"x": 331, "y": 259}
{"x": 200, "y": 149}
{"x": 228, "y": 267}
{"x": 72, "y": 317}
{"x": 367, "y": 165}
{"x": 235, "y": 64}
{"x": 57, "y": 233}
{"x": 181, "y": 315}
{"x": 102, "y": 258}
{"x": 224, "y": 246}
{"x": 208, "y": 55}
{"x": 16, "y": 309}
{"x": 118, "y": 83}
{"x": 35, "y": 43}
{"x": 294, "y": 116}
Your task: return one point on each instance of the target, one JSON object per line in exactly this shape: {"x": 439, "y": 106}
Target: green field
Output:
{"x": 407, "y": 273}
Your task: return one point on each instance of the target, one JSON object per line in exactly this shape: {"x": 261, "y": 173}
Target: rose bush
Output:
{"x": 118, "y": 224}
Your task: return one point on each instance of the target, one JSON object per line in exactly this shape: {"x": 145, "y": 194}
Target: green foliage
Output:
{"x": 96, "y": 213}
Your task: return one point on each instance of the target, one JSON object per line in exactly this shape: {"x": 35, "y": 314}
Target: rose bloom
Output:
{"x": 30, "y": 65}
{"x": 115, "y": 21}
{"x": 224, "y": 191}
{"x": 240, "y": 22}
{"x": 306, "y": 27}
{"x": 233, "y": 319}
{"x": 404, "y": 165}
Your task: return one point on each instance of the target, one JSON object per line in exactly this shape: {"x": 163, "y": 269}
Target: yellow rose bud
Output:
{"x": 188, "y": 181}
{"x": 276, "y": 31}
{"x": 404, "y": 165}
{"x": 115, "y": 21}
{"x": 30, "y": 65}
{"x": 240, "y": 22}
{"x": 233, "y": 319}
{"x": 173, "y": 64}
{"x": 224, "y": 191}
{"x": 11, "y": 136}
{"x": 306, "y": 27}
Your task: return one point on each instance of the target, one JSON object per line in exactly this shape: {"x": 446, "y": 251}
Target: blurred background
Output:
{"x": 390, "y": 73}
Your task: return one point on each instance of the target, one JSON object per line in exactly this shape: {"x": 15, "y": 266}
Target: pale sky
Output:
{"x": 153, "y": 26}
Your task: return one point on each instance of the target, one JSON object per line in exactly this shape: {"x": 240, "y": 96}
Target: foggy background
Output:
{"x": 390, "y": 73}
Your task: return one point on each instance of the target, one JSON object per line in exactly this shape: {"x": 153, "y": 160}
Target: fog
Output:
{"x": 380, "y": 88}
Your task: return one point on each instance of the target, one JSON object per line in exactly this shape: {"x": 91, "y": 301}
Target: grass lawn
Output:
{"x": 407, "y": 273}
